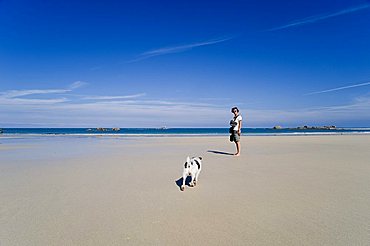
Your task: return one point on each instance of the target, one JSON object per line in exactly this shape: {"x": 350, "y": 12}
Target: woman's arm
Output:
{"x": 240, "y": 127}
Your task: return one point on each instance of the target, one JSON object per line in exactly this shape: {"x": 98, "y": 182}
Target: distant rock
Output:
{"x": 116, "y": 129}
{"x": 277, "y": 127}
{"x": 1, "y": 131}
{"x": 316, "y": 128}
{"x": 100, "y": 129}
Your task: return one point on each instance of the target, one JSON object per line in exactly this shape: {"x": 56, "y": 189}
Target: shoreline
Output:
{"x": 178, "y": 132}
{"x": 124, "y": 135}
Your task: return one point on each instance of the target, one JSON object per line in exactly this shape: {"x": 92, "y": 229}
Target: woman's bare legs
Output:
{"x": 237, "y": 148}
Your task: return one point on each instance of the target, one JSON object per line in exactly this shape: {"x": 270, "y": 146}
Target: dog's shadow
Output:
{"x": 187, "y": 181}
{"x": 219, "y": 152}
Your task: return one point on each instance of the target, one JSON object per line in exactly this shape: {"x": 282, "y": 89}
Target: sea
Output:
{"x": 122, "y": 132}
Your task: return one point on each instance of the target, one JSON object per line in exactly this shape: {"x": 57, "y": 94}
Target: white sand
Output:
{"x": 297, "y": 190}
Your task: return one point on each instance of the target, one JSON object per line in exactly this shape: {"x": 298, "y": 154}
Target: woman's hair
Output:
{"x": 234, "y": 108}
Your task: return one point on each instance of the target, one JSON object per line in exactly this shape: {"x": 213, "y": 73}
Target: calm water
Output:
{"x": 174, "y": 131}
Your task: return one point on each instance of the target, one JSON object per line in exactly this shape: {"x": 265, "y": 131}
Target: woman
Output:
{"x": 235, "y": 129}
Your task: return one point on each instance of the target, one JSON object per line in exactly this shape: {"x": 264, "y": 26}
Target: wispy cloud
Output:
{"x": 86, "y": 111}
{"x": 316, "y": 18}
{"x": 113, "y": 97}
{"x": 338, "y": 88}
{"x": 177, "y": 49}
{"x": 151, "y": 113}
{"x": 33, "y": 101}
{"x": 77, "y": 84}
{"x": 352, "y": 112}
{"x": 14, "y": 97}
{"x": 135, "y": 111}
{"x": 20, "y": 93}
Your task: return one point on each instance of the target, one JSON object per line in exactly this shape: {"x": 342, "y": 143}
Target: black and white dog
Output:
{"x": 192, "y": 168}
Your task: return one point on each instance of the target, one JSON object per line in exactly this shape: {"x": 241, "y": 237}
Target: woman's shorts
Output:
{"x": 234, "y": 137}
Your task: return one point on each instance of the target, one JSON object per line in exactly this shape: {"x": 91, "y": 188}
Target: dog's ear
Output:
{"x": 200, "y": 158}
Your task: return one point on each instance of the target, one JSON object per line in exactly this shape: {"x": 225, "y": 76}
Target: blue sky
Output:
{"x": 184, "y": 63}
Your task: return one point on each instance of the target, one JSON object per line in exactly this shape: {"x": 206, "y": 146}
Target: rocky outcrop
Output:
{"x": 316, "y": 128}
{"x": 100, "y": 129}
{"x": 277, "y": 127}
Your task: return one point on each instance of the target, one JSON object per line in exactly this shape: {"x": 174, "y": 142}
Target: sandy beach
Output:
{"x": 282, "y": 190}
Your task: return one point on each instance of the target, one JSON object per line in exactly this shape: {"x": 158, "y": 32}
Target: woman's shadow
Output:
{"x": 219, "y": 152}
